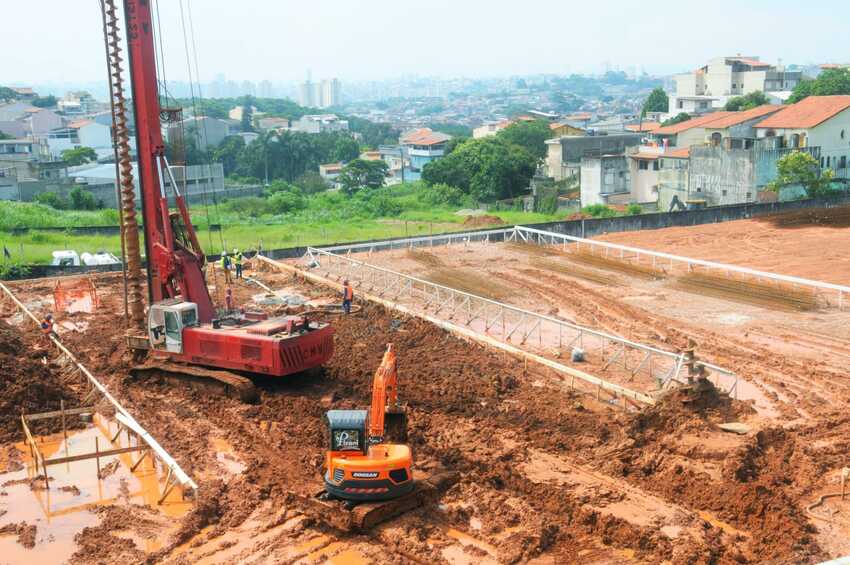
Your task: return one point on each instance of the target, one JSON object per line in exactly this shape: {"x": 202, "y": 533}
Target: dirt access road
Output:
{"x": 545, "y": 476}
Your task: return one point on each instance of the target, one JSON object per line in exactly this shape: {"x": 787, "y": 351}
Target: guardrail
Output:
{"x": 508, "y": 323}
{"x": 423, "y": 241}
{"x": 666, "y": 260}
{"x": 125, "y": 419}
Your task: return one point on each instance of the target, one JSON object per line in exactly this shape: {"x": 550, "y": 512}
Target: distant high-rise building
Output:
{"x": 322, "y": 94}
{"x": 265, "y": 90}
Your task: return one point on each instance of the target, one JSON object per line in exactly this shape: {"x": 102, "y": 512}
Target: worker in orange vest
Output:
{"x": 47, "y": 325}
{"x": 347, "y": 296}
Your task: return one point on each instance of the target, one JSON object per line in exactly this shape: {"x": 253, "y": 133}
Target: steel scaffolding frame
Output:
{"x": 508, "y": 323}
{"x": 657, "y": 259}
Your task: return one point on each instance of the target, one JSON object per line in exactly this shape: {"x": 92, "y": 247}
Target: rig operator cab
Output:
{"x": 166, "y": 321}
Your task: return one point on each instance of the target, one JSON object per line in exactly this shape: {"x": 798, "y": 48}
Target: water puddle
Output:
{"x": 226, "y": 456}
{"x": 64, "y": 509}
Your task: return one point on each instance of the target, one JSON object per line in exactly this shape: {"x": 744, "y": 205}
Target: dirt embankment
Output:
{"x": 523, "y": 447}
{"x": 28, "y": 384}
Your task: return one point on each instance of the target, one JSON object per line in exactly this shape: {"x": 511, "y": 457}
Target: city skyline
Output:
{"x": 474, "y": 39}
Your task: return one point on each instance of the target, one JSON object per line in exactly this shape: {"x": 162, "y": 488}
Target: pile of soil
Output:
{"x": 483, "y": 220}
{"x": 27, "y": 384}
{"x": 25, "y": 532}
{"x": 838, "y": 217}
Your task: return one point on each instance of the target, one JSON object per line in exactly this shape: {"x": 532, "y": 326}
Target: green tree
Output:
{"x": 487, "y": 169}
{"x": 360, "y": 173}
{"x": 677, "y": 119}
{"x": 227, "y": 153}
{"x": 52, "y": 199}
{"x": 530, "y": 135}
{"x": 801, "y": 169}
{"x": 79, "y": 156}
{"x": 311, "y": 182}
{"x": 44, "y": 101}
{"x": 828, "y": 82}
{"x": 7, "y": 93}
{"x": 287, "y": 201}
{"x": 80, "y": 199}
{"x": 248, "y": 114}
{"x": 634, "y": 209}
{"x": 657, "y": 101}
{"x": 746, "y": 102}
{"x": 5, "y": 135}
{"x": 345, "y": 149}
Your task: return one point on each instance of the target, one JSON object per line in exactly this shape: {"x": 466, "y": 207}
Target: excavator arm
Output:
{"x": 384, "y": 394}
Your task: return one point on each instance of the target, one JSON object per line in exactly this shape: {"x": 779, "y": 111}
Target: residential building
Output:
{"x": 318, "y": 123}
{"x": 208, "y": 132}
{"x": 642, "y": 127}
{"x": 30, "y": 159}
{"x": 80, "y": 133}
{"x": 14, "y": 111}
{"x": 422, "y": 146}
{"x": 235, "y": 113}
{"x": 274, "y": 124}
{"x": 78, "y": 103}
{"x": 578, "y": 120}
{"x": 605, "y": 179}
{"x": 330, "y": 172}
{"x": 371, "y": 156}
{"x": 722, "y": 78}
{"x": 24, "y": 93}
{"x": 816, "y": 121}
{"x": 673, "y": 178}
{"x": 644, "y": 168}
{"x": 714, "y": 127}
{"x": 564, "y": 154}
{"x": 560, "y": 129}
{"x": 720, "y": 175}
{"x": 490, "y": 128}
{"x": 393, "y": 156}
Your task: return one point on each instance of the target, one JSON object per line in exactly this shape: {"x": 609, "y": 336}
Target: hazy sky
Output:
{"x": 61, "y": 40}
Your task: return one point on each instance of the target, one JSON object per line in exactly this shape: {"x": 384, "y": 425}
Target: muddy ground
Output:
{"x": 545, "y": 475}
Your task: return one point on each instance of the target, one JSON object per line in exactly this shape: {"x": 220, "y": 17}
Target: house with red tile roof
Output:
{"x": 715, "y": 127}
{"x": 421, "y": 146}
{"x": 816, "y": 121}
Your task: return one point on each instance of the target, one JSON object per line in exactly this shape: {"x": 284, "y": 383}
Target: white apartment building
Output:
{"x": 723, "y": 78}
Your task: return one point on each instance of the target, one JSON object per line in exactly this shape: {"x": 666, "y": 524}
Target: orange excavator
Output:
{"x": 361, "y": 466}
{"x": 368, "y": 475}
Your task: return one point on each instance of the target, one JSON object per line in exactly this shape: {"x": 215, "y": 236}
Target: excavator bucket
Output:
{"x": 395, "y": 425}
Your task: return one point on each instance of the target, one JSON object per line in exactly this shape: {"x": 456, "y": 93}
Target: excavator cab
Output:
{"x": 360, "y": 472}
{"x": 166, "y": 321}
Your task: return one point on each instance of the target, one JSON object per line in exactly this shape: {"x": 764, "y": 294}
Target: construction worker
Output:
{"x": 225, "y": 266}
{"x": 47, "y": 326}
{"x": 228, "y": 300}
{"x": 237, "y": 260}
{"x": 347, "y": 296}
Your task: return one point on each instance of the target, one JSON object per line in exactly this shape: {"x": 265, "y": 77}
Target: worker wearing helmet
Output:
{"x": 237, "y": 260}
{"x": 47, "y": 326}
{"x": 347, "y": 296}
{"x": 225, "y": 266}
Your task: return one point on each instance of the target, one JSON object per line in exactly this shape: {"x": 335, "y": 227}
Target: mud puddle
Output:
{"x": 75, "y": 491}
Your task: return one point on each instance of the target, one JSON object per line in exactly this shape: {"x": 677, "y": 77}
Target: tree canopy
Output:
{"x": 361, "y": 173}
{"x": 530, "y": 135}
{"x": 657, "y": 101}
{"x": 487, "y": 169}
{"x": 746, "y": 102}
{"x": 801, "y": 169}
{"x": 828, "y": 82}
{"x": 79, "y": 156}
{"x": 44, "y": 101}
{"x": 677, "y": 119}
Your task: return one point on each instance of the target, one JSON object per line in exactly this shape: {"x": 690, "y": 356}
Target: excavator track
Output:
{"x": 364, "y": 516}
{"x": 222, "y": 382}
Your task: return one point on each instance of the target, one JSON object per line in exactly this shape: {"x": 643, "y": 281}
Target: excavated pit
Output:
{"x": 546, "y": 475}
